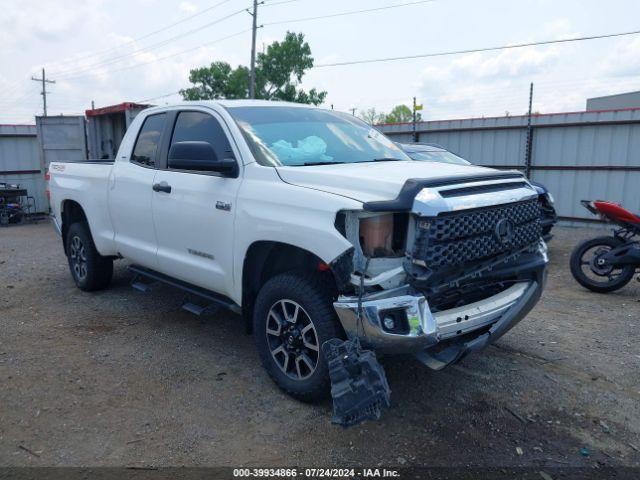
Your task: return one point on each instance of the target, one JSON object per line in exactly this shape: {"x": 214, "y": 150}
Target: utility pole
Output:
{"x": 44, "y": 90}
{"x": 252, "y": 73}
{"x": 353, "y": 111}
{"x": 527, "y": 159}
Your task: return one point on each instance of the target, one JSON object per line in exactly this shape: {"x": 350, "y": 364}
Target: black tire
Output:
{"x": 90, "y": 270}
{"x": 607, "y": 284}
{"x": 313, "y": 294}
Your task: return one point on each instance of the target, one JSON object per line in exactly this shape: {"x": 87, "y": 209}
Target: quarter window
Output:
{"x": 144, "y": 151}
{"x": 198, "y": 126}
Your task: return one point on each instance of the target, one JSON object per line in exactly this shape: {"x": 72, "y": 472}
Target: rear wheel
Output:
{"x": 90, "y": 270}
{"x": 293, "y": 317}
{"x": 592, "y": 272}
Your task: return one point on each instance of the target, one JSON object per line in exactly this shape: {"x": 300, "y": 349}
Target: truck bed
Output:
{"x": 85, "y": 183}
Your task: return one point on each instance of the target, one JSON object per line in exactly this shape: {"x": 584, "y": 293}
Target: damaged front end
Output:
{"x": 444, "y": 269}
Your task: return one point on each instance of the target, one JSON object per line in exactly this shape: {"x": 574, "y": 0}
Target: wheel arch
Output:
{"x": 264, "y": 260}
{"x": 70, "y": 213}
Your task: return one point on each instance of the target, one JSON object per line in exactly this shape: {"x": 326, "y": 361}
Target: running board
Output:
{"x": 202, "y": 293}
{"x": 196, "y": 309}
{"x": 141, "y": 286}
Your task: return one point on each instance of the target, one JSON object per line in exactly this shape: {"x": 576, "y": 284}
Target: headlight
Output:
{"x": 376, "y": 235}
{"x": 383, "y": 235}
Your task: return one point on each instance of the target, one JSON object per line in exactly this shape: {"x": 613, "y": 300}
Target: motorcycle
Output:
{"x": 10, "y": 213}
{"x": 605, "y": 264}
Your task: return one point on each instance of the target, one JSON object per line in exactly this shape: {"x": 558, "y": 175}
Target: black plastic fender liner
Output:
{"x": 404, "y": 201}
{"x": 341, "y": 267}
{"x": 358, "y": 383}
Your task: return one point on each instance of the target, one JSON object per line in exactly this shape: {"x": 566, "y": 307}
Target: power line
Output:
{"x": 476, "y": 50}
{"x": 352, "y": 12}
{"x": 160, "y": 30}
{"x": 158, "y": 97}
{"x": 155, "y": 60}
{"x": 73, "y": 71}
{"x": 267, "y": 3}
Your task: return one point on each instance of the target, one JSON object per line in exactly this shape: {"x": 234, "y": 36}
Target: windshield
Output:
{"x": 295, "y": 136}
{"x": 441, "y": 156}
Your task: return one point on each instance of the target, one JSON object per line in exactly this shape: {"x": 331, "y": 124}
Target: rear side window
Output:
{"x": 144, "y": 151}
{"x": 198, "y": 126}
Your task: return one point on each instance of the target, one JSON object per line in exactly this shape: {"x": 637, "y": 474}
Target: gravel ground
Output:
{"x": 125, "y": 378}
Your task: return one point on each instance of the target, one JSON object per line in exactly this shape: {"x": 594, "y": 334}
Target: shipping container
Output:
{"x": 106, "y": 126}
{"x": 20, "y": 163}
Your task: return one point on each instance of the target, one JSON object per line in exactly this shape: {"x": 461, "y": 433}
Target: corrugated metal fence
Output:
{"x": 581, "y": 155}
{"x": 20, "y": 162}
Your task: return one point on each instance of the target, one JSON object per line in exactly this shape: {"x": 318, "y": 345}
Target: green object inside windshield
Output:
{"x": 296, "y": 136}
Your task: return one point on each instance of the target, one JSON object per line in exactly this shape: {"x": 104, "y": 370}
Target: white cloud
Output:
{"x": 47, "y": 21}
{"x": 187, "y": 7}
{"x": 623, "y": 59}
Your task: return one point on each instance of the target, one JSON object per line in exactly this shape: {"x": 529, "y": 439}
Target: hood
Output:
{"x": 371, "y": 181}
{"x": 541, "y": 189}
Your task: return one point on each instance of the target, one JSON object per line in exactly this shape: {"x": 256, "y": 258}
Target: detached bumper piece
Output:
{"x": 358, "y": 383}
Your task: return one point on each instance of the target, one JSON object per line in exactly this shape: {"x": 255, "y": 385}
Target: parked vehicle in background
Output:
{"x": 311, "y": 224}
{"x": 430, "y": 152}
{"x": 605, "y": 264}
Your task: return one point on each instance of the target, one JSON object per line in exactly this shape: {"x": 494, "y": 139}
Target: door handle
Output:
{"x": 162, "y": 187}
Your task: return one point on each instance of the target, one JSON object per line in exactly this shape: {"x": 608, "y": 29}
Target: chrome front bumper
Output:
{"x": 426, "y": 329}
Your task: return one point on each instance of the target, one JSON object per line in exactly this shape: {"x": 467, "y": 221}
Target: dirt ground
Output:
{"x": 121, "y": 377}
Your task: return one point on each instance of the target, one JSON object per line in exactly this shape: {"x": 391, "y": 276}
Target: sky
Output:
{"x": 111, "y": 51}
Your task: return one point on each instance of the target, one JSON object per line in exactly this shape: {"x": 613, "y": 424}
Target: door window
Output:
{"x": 199, "y": 126}
{"x": 144, "y": 151}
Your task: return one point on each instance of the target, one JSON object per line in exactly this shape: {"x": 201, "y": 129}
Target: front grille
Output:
{"x": 457, "y": 238}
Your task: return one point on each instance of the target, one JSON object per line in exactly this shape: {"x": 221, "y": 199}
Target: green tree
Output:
{"x": 371, "y": 116}
{"x": 279, "y": 72}
{"x": 217, "y": 81}
{"x": 401, "y": 114}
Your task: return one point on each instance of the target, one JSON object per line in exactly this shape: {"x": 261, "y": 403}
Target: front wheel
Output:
{"x": 293, "y": 317}
{"x": 592, "y": 272}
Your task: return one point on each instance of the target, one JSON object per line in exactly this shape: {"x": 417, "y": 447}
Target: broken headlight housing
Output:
{"x": 375, "y": 235}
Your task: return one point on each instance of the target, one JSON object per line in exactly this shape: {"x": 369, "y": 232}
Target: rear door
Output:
{"x": 194, "y": 221}
{"x": 131, "y": 192}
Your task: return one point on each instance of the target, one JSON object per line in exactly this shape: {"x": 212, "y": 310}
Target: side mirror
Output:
{"x": 199, "y": 156}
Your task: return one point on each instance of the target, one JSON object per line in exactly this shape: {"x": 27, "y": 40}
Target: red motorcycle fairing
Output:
{"x": 615, "y": 212}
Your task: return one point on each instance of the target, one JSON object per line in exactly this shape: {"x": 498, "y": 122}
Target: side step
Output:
{"x": 196, "y": 309}
{"x": 141, "y": 286}
{"x": 214, "y": 299}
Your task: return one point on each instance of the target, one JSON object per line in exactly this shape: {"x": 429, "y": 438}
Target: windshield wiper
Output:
{"x": 311, "y": 164}
{"x": 385, "y": 159}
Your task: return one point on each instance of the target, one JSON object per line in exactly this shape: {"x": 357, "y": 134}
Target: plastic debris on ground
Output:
{"x": 358, "y": 383}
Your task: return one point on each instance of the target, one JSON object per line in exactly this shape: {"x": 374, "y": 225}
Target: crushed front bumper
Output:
{"x": 440, "y": 338}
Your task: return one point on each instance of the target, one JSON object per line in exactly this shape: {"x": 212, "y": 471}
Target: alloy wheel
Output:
{"x": 78, "y": 258}
{"x": 292, "y": 339}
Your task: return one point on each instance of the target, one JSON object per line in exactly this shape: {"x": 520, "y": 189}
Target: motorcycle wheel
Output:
{"x": 590, "y": 274}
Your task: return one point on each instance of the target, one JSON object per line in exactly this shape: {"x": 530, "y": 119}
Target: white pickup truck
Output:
{"x": 312, "y": 225}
